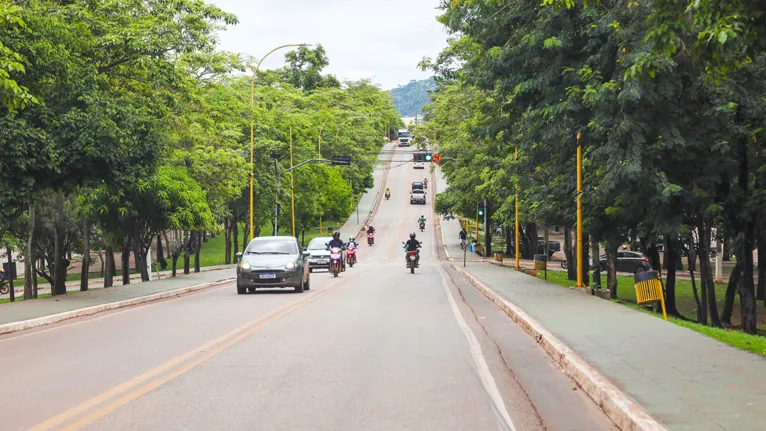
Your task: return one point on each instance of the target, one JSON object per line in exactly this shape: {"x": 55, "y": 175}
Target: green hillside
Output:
{"x": 409, "y": 99}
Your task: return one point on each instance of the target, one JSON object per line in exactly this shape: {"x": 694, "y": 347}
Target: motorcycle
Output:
{"x": 351, "y": 256}
{"x": 412, "y": 259}
{"x": 422, "y": 226}
{"x": 5, "y": 287}
{"x": 388, "y": 196}
{"x": 370, "y": 239}
{"x": 335, "y": 260}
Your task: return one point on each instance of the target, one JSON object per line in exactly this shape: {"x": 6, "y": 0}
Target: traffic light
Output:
{"x": 481, "y": 211}
{"x": 429, "y": 156}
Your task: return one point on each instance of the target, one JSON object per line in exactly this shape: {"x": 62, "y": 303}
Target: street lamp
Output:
{"x": 252, "y": 127}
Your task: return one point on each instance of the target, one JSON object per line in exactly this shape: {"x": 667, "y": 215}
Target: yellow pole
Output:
{"x": 292, "y": 180}
{"x": 580, "y": 263}
{"x": 320, "y": 225}
{"x": 516, "y": 247}
{"x": 252, "y": 129}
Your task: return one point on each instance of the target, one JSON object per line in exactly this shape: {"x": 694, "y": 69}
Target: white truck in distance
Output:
{"x": 405, "y": 137}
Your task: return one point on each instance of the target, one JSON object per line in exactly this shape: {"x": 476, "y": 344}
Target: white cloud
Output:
{"x": 380, "y": 40}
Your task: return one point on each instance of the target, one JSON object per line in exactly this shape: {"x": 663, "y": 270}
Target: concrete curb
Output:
{"x": 9, "y": 328}
{"x": 623, "y": 411}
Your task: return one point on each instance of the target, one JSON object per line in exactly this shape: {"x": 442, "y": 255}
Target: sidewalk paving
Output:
{"x": 684, "y": 379}
{"x": 24, "y": 310}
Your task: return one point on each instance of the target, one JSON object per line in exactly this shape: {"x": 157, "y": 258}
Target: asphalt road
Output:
{"x": 376, "y": 349}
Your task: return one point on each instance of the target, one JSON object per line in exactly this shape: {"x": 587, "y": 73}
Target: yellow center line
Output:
{"x": 202, "y": 353}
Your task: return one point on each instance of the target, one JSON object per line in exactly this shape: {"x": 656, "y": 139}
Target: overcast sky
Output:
{"x": 378, "y": 39}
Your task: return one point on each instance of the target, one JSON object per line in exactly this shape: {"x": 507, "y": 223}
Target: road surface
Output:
{"x": 376, "y": 349}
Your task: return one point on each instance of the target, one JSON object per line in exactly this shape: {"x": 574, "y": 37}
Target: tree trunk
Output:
{"x": 585, "y": 267}
{"x": 726, "y": 249}
{"x": 161, "y": 253}
{"x": 139, "y": 256}
{"x": 245, "y": 234}
{"x": 731, "y": 293}
{"x": 85, "y": 256}
{"x": 204, "y": 236}
{"x": 235, "y": 237}
{"x": 671, "y": 250}
{"x": 571, "y": 264}
{"x": 653, "y": 253}
{"x": 12, "y": 290}
{"x": 510, "y": 238}
{"x": 691, "y": 260}
{"x": 597, "y": 271}
{"x": 611, "y": 268}
{"x": 126, "y": 263}
{"x": 761, "y": 291}
{"x": 59, "y": 253}
{"x": 227, "y": 241}
{"x": 706, "y": 274}
{"x": 188, "y": 251}
{"x": 110, "y": 267}
{"x": 30, "y": 275}
{"x": 197, "y": 249}
{"x": 744, "y": 253}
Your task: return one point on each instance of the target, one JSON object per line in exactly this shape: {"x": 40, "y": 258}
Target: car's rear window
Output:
{"x": 272, "y": 247}
{"x": 319, "y": 243}
{"x": 418, "y": 192}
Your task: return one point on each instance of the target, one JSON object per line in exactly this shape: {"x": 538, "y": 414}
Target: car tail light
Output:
{"x": 645, "y": 259}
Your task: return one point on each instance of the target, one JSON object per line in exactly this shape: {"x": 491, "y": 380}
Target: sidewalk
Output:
{"x": 685, "y": 380}
{"x": 451, "y": 228}
{"x": 24, "y": 310}
{"x": 98, "y": 283}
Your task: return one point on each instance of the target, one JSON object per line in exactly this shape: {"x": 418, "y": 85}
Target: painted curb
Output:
{"x": 9, "y": 328}
{"x": 624, "y": 412}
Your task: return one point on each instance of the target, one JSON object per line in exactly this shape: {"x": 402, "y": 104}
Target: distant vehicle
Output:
{"x": 418, "y": 196}
{"x": 273, "y": 261}
{"x": 405, "y": 138}
{"x": 628, "y": 261}
{"x": 319, "y": 256}
{"x": 419, "y": 165}
{"x": 553, "y": 246}
{"x": 418, "y": 185}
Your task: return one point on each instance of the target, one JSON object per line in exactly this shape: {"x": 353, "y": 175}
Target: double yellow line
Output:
{"x": 109, "y": 401}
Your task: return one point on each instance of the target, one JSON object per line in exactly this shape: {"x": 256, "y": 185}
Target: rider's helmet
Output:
{"x": 336, "y": 234}
{"x": 412, "y": 235}
{"x": 351, "y": 238}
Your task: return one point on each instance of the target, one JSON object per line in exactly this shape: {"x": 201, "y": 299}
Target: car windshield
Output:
{"x": 272, "y": 247}
{"x": 319, "y": 243}
{"x": 404, "y": 134}
{"x": 418, "y": 192}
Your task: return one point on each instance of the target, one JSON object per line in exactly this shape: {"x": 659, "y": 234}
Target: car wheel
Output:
{"x": 241, "y": 290}
{"x": 299, "y": 288}
{"x": 307, "y": 284}
{"x": 311, "y": 270}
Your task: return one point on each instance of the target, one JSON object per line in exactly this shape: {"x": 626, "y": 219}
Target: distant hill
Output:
{"x": 409, "y": 99}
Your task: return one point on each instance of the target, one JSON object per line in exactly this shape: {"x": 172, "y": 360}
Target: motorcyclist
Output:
{"x": 412, "y": 245}
{"x": 370, "y": 230}
{"x": 425, "y": 182}
{"x": 422, "y": 219}
{"x": 352, "y": 243}
{"x": 388, "y": 192}
{"x": 336, "y": 241}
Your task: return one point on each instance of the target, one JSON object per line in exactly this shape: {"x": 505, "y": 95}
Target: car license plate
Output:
{"x": 322, "y": 261}
{"x": 268, "y": 275}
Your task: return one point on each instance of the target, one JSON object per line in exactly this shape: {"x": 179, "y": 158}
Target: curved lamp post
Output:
{"x": 252, "y": 127}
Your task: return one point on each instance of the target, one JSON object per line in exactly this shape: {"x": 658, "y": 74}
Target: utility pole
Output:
{"x": 581, "y": 268}
{"x": 276, "y": 198}
{"x": 292, "y": 181}
{"x": 487, "y": 236}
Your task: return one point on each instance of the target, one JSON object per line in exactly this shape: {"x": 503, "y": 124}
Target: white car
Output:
{"x": 418, "y": 197}
{"x": 419, "y": 165}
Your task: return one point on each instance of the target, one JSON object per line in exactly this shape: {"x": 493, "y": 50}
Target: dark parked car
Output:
{"x": 553, "y": 246}
{"x": 273, "y": 261}
{"x": 628, "y": 261}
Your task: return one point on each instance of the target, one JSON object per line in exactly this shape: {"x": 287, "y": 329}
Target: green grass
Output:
{"x": 20, "y": 297}
{"x": 626, "y": 295}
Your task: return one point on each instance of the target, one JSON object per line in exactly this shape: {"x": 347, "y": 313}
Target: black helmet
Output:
{"x": 412, "y": 235}
{"x": 336, "y": 234}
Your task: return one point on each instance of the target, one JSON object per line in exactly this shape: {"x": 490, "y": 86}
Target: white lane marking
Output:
{"x": 478, "y": 358}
